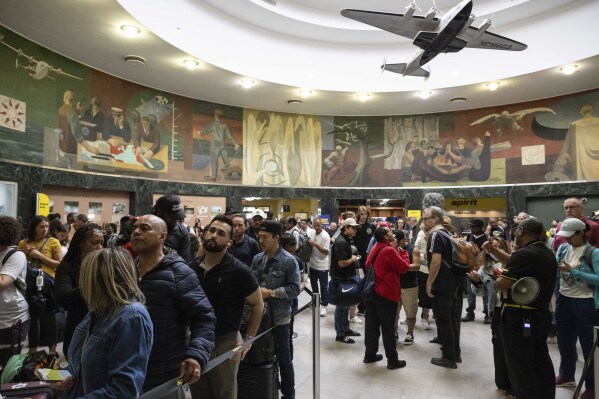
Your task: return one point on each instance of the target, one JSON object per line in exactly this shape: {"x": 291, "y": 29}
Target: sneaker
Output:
{"x": 345, "y": 339}
{"x": 52, "y": 361}
{"x": 552, "y": 340}
{"x": 442, "y": 362}
{"x": 561, "y": 382}
{"x": 435, "y": 340}
{"x": 426, "y": 323}
{"x": 372, "y": 359}
{"x": 409, "y": 340}
{"x": 356, "y": 320}
{"x": 396, "y": 364}
{"x": 467, "y": 318}
{"x": 352, "y": 333}
{"x": 588, "y": 394}
{"x": 323, "y": 311}
{"x": 404, "y": 322}
{"x": 487, "y": 320}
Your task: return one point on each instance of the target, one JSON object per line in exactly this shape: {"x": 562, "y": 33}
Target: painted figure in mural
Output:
{"x": 333, "y": 164}
{"x": 92, "y": 120}
{"x": 407, "y": 161}
{"x": 220, "y": 132}
{"x": 147, "y": 132}
{"x": 579, "y": 156}
{"x": 116, "y": 129}
{"x": 68, "y": 122}
{"x": 506, "y": 120}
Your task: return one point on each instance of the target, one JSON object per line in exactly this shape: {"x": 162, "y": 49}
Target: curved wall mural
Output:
{"x": 56, "y": 112}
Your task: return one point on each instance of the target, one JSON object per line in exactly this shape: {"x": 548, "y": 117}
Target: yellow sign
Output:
{"x": 414, "y": 214}
{"x": 42, "y": 204}
{"x": 475, "y": 204}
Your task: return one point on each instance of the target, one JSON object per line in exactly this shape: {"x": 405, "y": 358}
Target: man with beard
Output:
{"x": 277, "y": 272}
{"x": 524, "y": 329}
{"x": 256, "y": 218}
{"x": 227, "y": 283}
{"x": 176, "y": 303}
{"x": 243, "y": 247}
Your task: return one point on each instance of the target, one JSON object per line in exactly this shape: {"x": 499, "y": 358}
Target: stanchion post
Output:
{"x": 596, "y": 359}
{"x": 316, "y": 345}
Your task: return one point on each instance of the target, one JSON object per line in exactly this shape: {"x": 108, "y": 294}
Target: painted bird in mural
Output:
{"x": 506, "y": 120}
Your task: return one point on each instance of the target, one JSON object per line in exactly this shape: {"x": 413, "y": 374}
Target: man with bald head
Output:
{"x": 176, "y": 302}
{"x": 573, "y": 208}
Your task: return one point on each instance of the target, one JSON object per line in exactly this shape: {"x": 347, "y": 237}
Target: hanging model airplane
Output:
{"x": 38, "y": 70}
{"x": 447, "y": 34}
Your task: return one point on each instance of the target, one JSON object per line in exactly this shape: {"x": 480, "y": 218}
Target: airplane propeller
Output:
{"x": 384, "y": 66}
{"x": 413, "y": 4}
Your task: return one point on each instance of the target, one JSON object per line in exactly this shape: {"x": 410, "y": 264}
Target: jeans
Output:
{"x": 448, "y": 321}
{"x": 529, "y": 366}
{"x": 575, "y": 319}
{"x": 320, "y": 284}
{"x": 380, "y": 318}
{"x": 472, "y": 299}
{"x": 341, "y": 320}
{"x": 281, "y": 334}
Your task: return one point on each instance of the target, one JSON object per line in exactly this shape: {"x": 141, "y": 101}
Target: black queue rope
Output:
{"x": 171, "y": 385}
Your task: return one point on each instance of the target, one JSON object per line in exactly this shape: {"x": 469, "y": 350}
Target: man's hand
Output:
{"x": 149, "y": 154}
{"x": 190, "y": 371}
{"x": 244, "y": 352}
{"x": 66, "y": 384}
{"x": 266, "y": 293}
{"x": 474, "y": 276}
{"x": 564, "y": 266}
{"x": 429, "y": 289}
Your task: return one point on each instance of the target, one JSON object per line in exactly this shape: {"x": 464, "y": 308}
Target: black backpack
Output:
{"x": 263, "y": 350}
{"x": 304, "y": 250}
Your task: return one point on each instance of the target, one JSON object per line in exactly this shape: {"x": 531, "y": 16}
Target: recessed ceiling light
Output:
{"x": 191, "y": 64}
{"x": 363, "y": 96}
{"x": 130, "y": 30}
{"x": 294, "y": 101}
{"x": 247, "y": 83}
{"x": 457, "y": 99}
{"x": 424, "y": 94}
{"x": 569, "y": 69}
{"x": 135, "y": 59}
{"x": 305, "y": 92}
{"x": 493, "y": 85}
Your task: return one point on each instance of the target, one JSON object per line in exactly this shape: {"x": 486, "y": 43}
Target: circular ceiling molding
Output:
{"x": 295, "y": 39}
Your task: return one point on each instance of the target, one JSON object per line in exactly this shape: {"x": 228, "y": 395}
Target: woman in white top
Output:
{"x": 424, "y": 301}
{"x": 13, "y": 306}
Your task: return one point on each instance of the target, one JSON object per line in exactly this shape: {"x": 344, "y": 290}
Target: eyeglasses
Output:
{"x": 431, "y": 217}
{"x": 571, "y": 207}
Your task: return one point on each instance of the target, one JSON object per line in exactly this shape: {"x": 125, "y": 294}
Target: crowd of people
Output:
{"x": 158, "y": 300}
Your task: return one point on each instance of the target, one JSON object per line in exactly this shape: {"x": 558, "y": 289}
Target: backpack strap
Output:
{"x": 588, "y": 256}
{"x": 9, "y": 254}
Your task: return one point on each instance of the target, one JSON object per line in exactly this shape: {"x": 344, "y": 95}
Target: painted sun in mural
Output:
{"x": 12, "y": 113}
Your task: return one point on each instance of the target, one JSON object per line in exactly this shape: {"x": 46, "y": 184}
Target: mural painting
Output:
{"x": 59, "y": 113}
{"x": 281, "y": 149}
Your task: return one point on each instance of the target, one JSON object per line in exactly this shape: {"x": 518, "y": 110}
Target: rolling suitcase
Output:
{"x": 28, "y": 390}
{"x": 258, "y": 381}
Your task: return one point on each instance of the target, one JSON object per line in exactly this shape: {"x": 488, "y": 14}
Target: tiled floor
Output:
{"x": 343, "y": 375}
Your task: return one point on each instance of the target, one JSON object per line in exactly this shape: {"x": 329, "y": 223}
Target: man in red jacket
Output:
{"x": 381, "y": 310}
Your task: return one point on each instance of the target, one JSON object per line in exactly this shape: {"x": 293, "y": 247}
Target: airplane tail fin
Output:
{"x": 401, "y": 69}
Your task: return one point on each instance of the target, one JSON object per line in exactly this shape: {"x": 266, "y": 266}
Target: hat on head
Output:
{"x": 477, "y": 222}
{"x": 258, "y": 212}
{"x": 384, "y": 224}
{"x": 170, "y": 204}
{"x": 230, "y": 211}
{"x": 571, "y": 226}
{"x": 271, "y": 226}
{"x": 349, "y": 222}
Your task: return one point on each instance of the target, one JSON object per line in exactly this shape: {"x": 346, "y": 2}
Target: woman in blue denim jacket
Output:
{"x": 109, "y": 352}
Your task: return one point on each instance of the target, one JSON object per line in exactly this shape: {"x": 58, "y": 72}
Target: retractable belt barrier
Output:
{"x": 172, "y": 385}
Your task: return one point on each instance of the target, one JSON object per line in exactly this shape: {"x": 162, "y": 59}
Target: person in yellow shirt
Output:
{"x": 44, "y": 252}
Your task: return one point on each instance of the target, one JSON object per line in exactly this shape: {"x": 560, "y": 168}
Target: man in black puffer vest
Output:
{"x": 175, "y": 302}
{"x": 168, "y": 208}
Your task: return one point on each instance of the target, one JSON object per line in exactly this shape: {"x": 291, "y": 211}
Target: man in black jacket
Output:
{"x": 168, "y": 208}
{"x": 176, "y": 302}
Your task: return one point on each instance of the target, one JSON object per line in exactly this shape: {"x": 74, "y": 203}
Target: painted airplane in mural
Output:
{"x": 447, "y": 34}
{"x": 38, "y": 70}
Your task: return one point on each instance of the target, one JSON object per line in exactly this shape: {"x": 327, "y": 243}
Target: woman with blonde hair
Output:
{"x": 109, "y": 352}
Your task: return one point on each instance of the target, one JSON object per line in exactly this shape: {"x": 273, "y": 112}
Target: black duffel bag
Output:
{"x": 344, "y": 292}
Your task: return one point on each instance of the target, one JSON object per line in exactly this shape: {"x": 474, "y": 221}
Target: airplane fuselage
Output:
{"x": 450, "y": 26}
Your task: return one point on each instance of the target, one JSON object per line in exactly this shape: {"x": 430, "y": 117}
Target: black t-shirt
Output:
{"x": 409, "y": 279}
{"x": 439, "y": 244}
{"x": 362, "y": 238}
{"x": 246, "y": 250}
{"x": 341, "y": 251}
{"x": 226, "y": 285}
{"x": 479, "y": 241}
{"x": 533, "y": 260}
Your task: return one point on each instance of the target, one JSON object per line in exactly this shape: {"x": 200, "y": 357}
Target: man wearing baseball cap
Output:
{"x": 168, "y": 208}
{"x": 256, "y": 218}
{"x": 278, "y": 274}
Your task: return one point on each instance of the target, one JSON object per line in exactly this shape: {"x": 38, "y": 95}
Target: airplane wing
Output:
{"x": 59, "y": 71}
{"x": 394, "y": 23}
{"x": 491, "y": 41}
